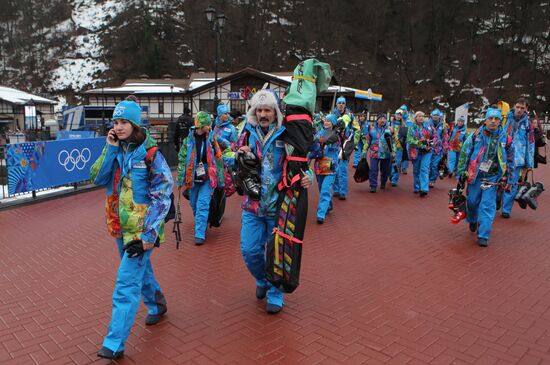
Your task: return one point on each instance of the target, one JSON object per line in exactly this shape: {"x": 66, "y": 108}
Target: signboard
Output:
{"x": 74, "y": 134}
{"x": 462, "y": 112}
{"x": 234, "y": 95}
{"x": 39, "y": 165}
{"x": 369, "y": 95}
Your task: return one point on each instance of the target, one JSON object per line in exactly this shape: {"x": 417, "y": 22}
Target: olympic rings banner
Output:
{"x": 39, "y": 165}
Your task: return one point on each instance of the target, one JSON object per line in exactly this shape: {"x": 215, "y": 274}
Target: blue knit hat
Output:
{"x": 222, "y": 109}
{"x": 436, "y": 112}
{"x": 493, "y": 112}
{"x": 332, "y": 118}
{"x": 128, "y": 110}
{"x": 404, "y": 107}
{"x": 341, "y": 99}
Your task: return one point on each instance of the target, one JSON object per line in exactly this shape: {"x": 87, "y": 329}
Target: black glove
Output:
{"x": 134, "y": 248}
{"x": 462, "y": 181}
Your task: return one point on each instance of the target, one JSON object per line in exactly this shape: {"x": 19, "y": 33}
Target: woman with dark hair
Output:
{"x": 139, "y": 184}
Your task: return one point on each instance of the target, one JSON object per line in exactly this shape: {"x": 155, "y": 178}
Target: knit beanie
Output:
{"x": 222, "y": 109}
{"x": 202, "y": 119}
{"x": 493, "y": 112}
{"x": 129, "y": 110}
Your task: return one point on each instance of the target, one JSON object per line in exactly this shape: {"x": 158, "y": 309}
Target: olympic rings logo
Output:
{"x": 75, "y": 159}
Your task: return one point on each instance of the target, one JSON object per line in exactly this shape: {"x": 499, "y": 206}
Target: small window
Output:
{"x": 206, "y": 105}
{"x": 161, "y": 107}
{"x": 240, "y": 105}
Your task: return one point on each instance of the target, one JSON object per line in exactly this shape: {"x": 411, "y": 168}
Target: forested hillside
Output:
{"x": 424, "y": 52}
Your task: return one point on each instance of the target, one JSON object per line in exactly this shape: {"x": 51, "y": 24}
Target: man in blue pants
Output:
{"x": 408, "y": 122}
{"x": 440, "y": 149}
{"x": 421, "y": 138}
{"x": 200, "y": 169}
{"x": 262, "y": 136}
{"x": 362, "y": 121}
{"x": 399, "y": 143}
{"x": 347, "y": 133}
{"x": 486, "y": 159}
{"x": 523, "y": 137}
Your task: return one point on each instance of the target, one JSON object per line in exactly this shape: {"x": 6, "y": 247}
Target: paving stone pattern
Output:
{"x": 387, "y": 279}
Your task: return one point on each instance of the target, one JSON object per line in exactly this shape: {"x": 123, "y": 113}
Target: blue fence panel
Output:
{"x": 38, "y": 165}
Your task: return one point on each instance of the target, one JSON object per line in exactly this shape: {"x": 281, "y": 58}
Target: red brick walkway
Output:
{"x": 387, "y": 279}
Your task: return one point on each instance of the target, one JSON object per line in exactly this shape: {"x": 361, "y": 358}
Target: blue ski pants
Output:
{"x": 135, "y": 279}
{"x": 199, "y": 198}
{"x": 421, "y": 170}
{"x": 255, "y": 232}
{"x": 481, "y": 205}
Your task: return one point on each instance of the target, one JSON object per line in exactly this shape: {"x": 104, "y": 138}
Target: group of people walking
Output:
{"x": 139, "y": 182}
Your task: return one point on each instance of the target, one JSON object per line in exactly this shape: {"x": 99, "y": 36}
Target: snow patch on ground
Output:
{"x": 28, "y": 196}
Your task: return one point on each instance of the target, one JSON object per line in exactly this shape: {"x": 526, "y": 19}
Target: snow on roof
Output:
{"x": 138, "y": 88}
{"x": 20, "y": 97}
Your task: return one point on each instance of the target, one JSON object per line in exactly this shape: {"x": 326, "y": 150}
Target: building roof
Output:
{"x": 139, "y": 88}
{"x": 19, "y": 97}
{"x": 200, "y": 81}
{"x": 183, "y": 83}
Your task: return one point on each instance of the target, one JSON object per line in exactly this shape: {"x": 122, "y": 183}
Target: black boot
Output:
{"x": 105, "y": 353}
{"x": 153, "y": 319}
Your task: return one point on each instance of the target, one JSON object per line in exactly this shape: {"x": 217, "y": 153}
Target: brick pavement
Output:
{"x": 387, "y": 279}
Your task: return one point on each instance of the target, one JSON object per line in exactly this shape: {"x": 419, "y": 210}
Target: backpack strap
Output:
{"x": 150, "y": 156}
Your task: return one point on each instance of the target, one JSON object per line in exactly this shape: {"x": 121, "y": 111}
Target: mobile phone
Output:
{"x": 115, "y": 137}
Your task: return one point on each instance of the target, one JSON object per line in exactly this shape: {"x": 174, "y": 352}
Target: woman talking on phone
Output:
{"x": 138, "y": 182}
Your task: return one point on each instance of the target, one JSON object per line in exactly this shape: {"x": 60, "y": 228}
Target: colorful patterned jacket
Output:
{"x": 138, "y": 197}
{"x": 375, "y": 142}
{"x": 271, "y": 153}
{"x": 442, "y": 146}
{"x": 418, "y": 136}
{"x": 458, "y": 136}
{"x": 396, "y": 125}
{"x": 476, "y": 149}
{"x": 325, "y": 155}
{"x": 226, "y": 134}
{"x": 523, "y": 136}
{"x": 187, "y": 159}
{"x": 350, "y": 129}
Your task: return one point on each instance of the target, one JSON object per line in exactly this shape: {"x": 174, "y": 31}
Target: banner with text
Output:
{"x": 39, "y": 165}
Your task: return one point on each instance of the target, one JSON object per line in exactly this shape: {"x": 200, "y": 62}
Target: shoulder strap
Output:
{"x": 150, "y": 156}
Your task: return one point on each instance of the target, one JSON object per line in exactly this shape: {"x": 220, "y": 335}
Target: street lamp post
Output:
{"x": 172, "y": 107}
{"x": 103, "y": 126}
{"x": 217, "y": 23}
